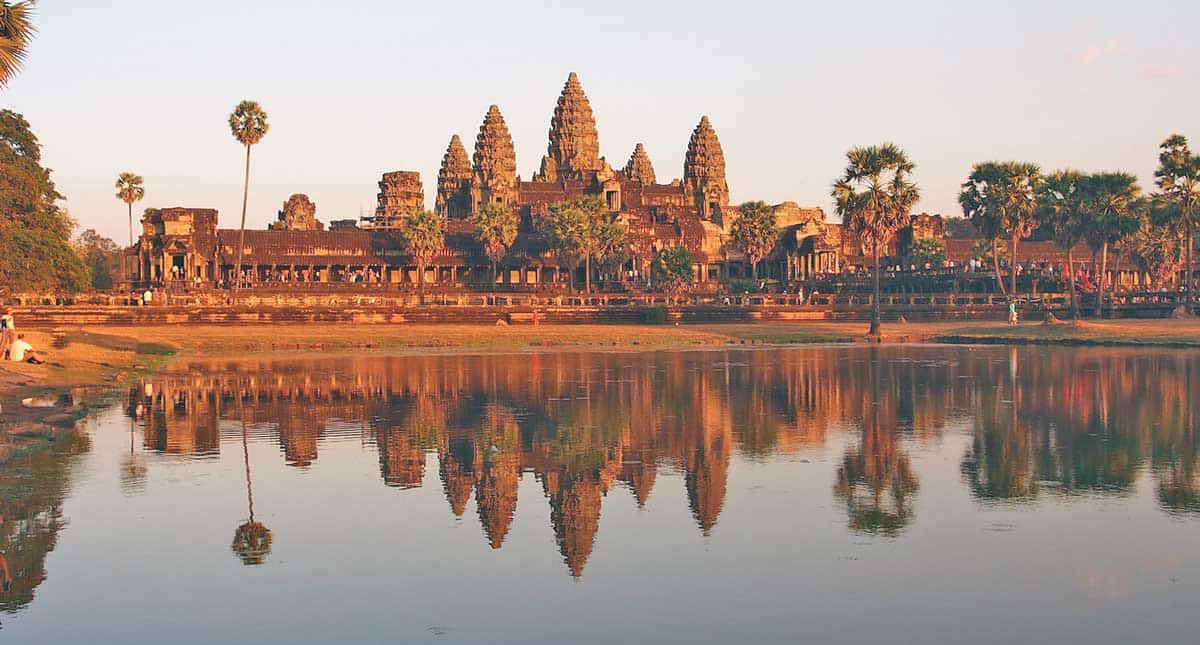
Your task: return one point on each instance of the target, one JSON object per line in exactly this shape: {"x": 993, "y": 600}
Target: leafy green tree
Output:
{"x": 1113, "y": 206}
{"x": 1001, "y": 199}
{"x": 423, "y": 238}
{"x": 129, "y": 190}
{"x": 101, "y": 256}
{"x": 1177, "y": 202}
{"x": 672, "y": 268}
{"x": 582, "y": 230}
{"x": 875, "y": 197}
{"x": 754, "y": 231}
{"x": 1061, "y": 202}
{"x": 496, "y": 229}
{"x": 1161, "y": 250}
{"x": 248, "y": 123}
{"x": 16, "y": 32}
{"x": 35, "y": 233}
{"x": 928, "y": 250}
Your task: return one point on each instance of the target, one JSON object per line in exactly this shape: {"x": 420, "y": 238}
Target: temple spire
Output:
{"x": 454, "y": 181}
{"x": 574, "y": 148}
{"x": 639, "y": 168}
{"x": 704, "y": 172}
{"x": 495, "y": 162}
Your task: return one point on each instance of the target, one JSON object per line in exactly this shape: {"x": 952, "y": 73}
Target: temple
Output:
{"x": 184, "y": 247}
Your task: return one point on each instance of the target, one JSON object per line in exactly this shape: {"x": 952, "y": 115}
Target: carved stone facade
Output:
{"x": 454, "y": 182}
{"x": 298, "y": 214}
{"x": 400, "y": 194}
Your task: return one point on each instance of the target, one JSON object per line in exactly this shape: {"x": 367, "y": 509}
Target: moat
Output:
{"x": 852, "y": 494}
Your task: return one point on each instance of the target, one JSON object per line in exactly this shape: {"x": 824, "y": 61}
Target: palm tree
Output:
{"x": 424, "y": 238}
{"x": 875, "y": 198}
{"x": 16, "y": 31}
{"x": 248, "y": 122}
{"x": 130, "y": 190}
{"x": 1061, "y": 202}
{"x": 754, "y": 232}
{"x": 1001, "y": 197}
{"x": 1177, "y": 203}
{"x": 496, "y": 229}
{"x": 1112, "y": 206}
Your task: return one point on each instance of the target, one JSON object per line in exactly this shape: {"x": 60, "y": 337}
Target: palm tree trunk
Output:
{"x": 124, "y": 270}
{"x": 1100, "y": 280}
{"x": 874, "y": 329}
{"x": 237, "y": 269}
{"x": 421, "y": 283}
{"x": 1012, "y": 265}
{"x": 996, "y": 264}
{"x": 1189, "y": 303}
{"x": 587, "y": 275}
{"x": 1071, "y": 275}
{"x": 493, "y": 277}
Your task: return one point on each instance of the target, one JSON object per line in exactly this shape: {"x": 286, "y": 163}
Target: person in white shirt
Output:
{"x": 22, "y": 351}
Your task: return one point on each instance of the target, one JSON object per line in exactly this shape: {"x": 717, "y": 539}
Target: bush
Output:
{"x": 743, "y": 285}
{"x": 654, "y": 315}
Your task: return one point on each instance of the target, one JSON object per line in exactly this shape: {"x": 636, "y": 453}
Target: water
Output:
{"x": 828, "y": 494}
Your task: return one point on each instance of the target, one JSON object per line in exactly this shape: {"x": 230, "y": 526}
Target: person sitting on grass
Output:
{"x": 22, "y": 351}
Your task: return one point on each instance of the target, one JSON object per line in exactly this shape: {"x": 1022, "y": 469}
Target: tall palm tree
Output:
{"x": 249, "y": 125}
{"x": 1001, "y": 198}
{"x": 251, "y": 539}
{"x": 16, "y": 32}
{"x": 875, "y": 198}
{"x": 424, "y": 237}
{"x": 129, "y": 190}
{"x": 1061, "y": 203}
{"x": 1112, "y": 206}
{"x": 755, "y": 232}
{"x": 1177, "y": 203}
{"x": 496, "y": 229}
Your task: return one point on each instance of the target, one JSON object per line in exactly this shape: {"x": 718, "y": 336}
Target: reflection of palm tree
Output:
{"x": 251, "y": 540}
{"x": 133, "y": 469}
{"x": 876, "y": 481}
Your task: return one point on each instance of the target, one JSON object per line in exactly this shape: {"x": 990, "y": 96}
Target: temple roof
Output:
{"x": 705, "y": 160}
{"x": 639, "y": 168}
{"x": 495, "y": 159}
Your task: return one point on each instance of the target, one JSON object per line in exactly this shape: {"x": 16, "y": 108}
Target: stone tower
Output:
{"x": 494, "y": 174}
{"x": 704, "y": 173}
{"x": 454, "y": 182}
{"x": 298, "y": 214}
{"x": 574, "y": 148}
{"x": 400, "y": 194}
{"x": 639, "y": 168}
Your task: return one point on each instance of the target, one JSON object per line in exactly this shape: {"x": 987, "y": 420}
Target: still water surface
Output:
{"x": 825, "y": 494}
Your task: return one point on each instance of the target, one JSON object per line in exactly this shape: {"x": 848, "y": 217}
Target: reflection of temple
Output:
{"x": 584, "y": 424}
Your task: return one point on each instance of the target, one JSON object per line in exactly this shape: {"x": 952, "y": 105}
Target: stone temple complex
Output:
{"x": 184, "y": 244}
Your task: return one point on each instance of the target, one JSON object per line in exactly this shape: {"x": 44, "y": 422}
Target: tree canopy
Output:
{"x": 16, "y": 32}
{"x": 101, "y": 256}
{"x": 248, "y": 123}
{"x": 1001, "y": 199}
{"x": 582, "y": 230}
{"x": 672, "y": 268}
{"x": 35, "y": 233}
{"x": 754, "y": 231}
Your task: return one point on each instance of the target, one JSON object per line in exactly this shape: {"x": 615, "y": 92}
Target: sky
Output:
{"x": 358, "y": 88}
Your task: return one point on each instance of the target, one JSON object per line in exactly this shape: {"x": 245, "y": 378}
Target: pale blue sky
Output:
{"x": 354, "y": 89}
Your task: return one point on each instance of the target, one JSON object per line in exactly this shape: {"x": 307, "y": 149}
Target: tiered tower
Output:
{"x": 494, "y": 174}
{"x": 298, "y": 214}
{"x": 574, "y": 148}
{"x": 400, "y": 194}
{"x": 639, "y": 168}
{"x": 454, "y": 182}
{"x": 704, "y": 173}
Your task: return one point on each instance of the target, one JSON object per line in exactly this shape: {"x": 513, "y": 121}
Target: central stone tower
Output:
{"x": 704, "y": 173}
{"x": 574, "y": 149}
{"x": 454, "y": 182}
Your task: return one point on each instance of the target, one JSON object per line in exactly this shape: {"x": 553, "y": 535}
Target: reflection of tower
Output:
{"x": 707, "y": 473}
{"x": 298, "y": 434}
{"x": 575, "y": 514}
{"x": 496, "y": 496}
{"x": 459, "y": 464}
{"x": 401, "y": 462}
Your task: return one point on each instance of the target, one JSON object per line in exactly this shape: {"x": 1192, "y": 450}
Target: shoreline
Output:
{"x": 85, "y": 371}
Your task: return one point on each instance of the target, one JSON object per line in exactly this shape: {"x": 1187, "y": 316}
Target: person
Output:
{"x": 147, "y": 297}
{"x": 1012, "y": 312}
{"x": 22, "y": 352}
{"x": 7, "y": 334}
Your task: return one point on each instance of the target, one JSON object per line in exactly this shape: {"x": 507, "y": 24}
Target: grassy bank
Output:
{"x": 84, "y": 369}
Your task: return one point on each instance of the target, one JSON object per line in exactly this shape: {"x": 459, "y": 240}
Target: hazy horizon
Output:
{"x": 361, "y": 89}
